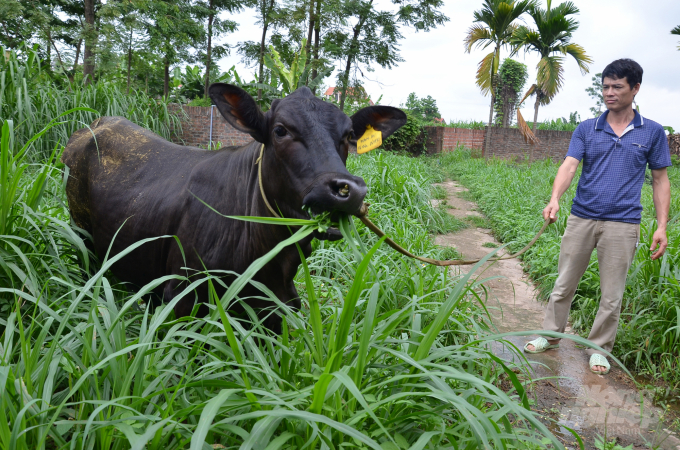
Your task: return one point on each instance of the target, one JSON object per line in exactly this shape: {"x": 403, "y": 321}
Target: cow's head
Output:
{"x": 306, "y": 145}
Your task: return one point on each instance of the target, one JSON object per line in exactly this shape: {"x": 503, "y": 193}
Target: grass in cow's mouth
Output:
{"x": 383, "y": 354}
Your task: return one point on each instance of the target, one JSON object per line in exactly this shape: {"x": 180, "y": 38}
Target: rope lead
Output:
{"x": 362, "y": 215}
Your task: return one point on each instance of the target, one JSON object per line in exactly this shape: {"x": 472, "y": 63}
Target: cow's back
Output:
{"x": 116, "y": 162}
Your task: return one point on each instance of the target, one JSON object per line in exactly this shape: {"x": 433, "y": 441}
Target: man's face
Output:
{"x": 617, "y": 93}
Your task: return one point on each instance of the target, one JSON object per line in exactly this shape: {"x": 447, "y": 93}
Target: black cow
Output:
{"x": 130, "y": 179}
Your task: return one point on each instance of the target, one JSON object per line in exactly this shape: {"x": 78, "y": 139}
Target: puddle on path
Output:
{"x": 565, "y": 389}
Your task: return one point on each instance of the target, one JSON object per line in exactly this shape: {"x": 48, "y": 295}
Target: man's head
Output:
{"x": 620, "y": 84}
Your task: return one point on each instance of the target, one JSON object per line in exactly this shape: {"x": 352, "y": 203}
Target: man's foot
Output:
{"x": 599, "y": 364}
{"x": 540, "y": 345}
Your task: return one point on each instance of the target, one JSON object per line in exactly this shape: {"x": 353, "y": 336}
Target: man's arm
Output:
{"x": 662, "y": 203}
{"x": 562, "y": 182}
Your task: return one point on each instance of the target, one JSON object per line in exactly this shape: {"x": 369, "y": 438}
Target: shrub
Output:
{"x": 411, "y": 137}
{"x": 200, "y": 101}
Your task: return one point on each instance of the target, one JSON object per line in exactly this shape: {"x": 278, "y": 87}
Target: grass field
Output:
{"x": 513, "y": 196}
{"x": 385, "y": 353}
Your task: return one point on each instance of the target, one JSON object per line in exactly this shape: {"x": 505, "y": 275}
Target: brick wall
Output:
{"x": 445, "y": 139}
{"x": 508, "y": 143}
{"x": 196, "y": 128}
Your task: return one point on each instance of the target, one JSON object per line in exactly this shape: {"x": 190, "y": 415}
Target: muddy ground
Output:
{"x": 564, "y": 390}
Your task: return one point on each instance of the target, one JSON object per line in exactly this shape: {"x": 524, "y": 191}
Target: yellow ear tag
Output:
{"x": 370, "y": 140}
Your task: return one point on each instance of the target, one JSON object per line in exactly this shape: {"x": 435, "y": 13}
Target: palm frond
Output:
{"x": 529, "y": 93}
{"x": 676, "y": 30}
{"x": 565, "y": 9}
{"x": 527, "y": 134}
{"x": 550, "y": 77}
{"x": 478, "y": 36}
{"x": 484, "y": 74}
{"x": 579, "y": 54}
{"x": 525, "y": 38}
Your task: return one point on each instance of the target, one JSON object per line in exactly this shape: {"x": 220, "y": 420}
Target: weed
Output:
{"x": 490, "y": 245}
{"x": 479, "y": 221}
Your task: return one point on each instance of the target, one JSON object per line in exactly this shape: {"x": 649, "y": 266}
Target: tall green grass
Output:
{"x": 513, "y": 196}
{"x": 384, "y": 354}
{"x": 31, "y": 100}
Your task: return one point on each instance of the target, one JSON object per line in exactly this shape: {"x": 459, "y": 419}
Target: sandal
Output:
{"x": 540, "y": 344}
{"x": 599, "y": 360}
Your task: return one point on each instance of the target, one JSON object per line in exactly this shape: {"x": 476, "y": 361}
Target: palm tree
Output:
{"x": 676, "y": 30}
{"x": 493, "y": 26}
{"x": 552, "y": 41}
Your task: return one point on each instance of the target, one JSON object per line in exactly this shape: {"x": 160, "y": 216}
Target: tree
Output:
{"x": 595, "y": 91}
{"x": 371, "y": 36}
{"x": 552, "y": 41}
{"x": 423, "y": 108}
{"x": 676, "y": 31}
{"x": 512, "y": 75}
{"x": 493, "y": 26}
{"x": 125, "y": 27}
{"x": 269, "y": 16}
{"x": 172, "y": 31}
{"x": 90, "y": 36}
{"x": 210, "y": 9}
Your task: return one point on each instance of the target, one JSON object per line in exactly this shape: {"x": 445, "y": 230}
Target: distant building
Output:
{"x": 335, "y": 93}
{"x": 439, "y": 120}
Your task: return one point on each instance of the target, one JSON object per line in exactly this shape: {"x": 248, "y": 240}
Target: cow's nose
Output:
{"x": 337, "y": 193}
{"x": 349, "y": 193}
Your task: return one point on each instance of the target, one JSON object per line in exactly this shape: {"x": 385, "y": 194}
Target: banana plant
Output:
{"x": 298, "y": 73}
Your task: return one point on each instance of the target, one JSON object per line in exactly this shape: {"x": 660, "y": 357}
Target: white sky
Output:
{"x": 436, "y": 64}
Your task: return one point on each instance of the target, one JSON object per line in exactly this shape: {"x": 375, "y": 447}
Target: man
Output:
{"x": 615, "y": 149}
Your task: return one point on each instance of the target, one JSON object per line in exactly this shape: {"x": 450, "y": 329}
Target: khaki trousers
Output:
{"x": 616, "y": 243}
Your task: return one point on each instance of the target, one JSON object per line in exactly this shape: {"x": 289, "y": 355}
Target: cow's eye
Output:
{"x": 280, "y": 131}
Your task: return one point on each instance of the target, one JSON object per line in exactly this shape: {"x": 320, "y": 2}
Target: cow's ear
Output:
{"x": 240, "y": 109}
{"x": 383, "y": 118}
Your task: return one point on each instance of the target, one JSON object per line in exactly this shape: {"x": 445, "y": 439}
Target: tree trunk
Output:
{"x": 496, "y": 54}
{"x": 493, "y": 100}
{"x": 129, "y": 61}
{"x": 533, "y": 128}
{"x": 166, "y": 77}
{"x": 308, "y": 45}
{"x": 265, "y": 24}
{"x": 90, "y": 42}
{"x": 209, "y": 53}
{"x": 75, "y": 63}
{"x": 351, "y": 54}
{"x": 317, "y": 32}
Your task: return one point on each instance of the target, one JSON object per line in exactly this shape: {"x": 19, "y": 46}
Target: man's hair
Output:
{"x": 624, "y": 68}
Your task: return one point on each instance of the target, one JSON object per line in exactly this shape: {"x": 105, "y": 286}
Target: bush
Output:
{"x": 200, "y": 101}
{"x": 411, "y": 137}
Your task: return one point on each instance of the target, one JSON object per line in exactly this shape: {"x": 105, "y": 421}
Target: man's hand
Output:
{"x": 661, "y": 189}
{"x": 562, "y": 181}
{"x": 659, "y": 243}
{"x": 550, "y": 211}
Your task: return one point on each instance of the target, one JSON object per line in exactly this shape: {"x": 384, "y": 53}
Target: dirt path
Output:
{"x": 573, "y": 396}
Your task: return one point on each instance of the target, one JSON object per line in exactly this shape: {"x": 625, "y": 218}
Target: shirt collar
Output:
{"x": 638, "y": 121}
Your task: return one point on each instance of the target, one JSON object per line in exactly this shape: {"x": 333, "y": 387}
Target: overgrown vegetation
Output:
{"x": 385, "y": 352}
{"x": 513, "y": 196}
{"x": 31, "y": 99}
{"x": 512, "y": 75}
{"x": 411, "y": 137}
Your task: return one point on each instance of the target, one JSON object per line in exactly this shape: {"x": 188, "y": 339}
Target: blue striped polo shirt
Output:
{"x": 614, "y": 167}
